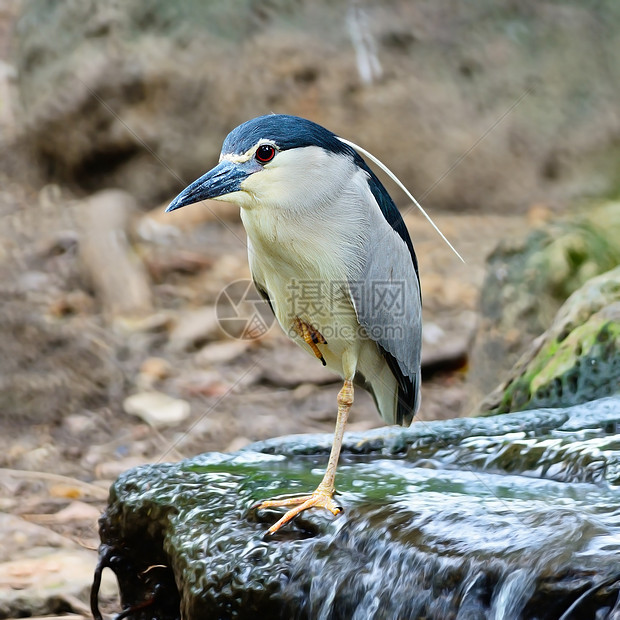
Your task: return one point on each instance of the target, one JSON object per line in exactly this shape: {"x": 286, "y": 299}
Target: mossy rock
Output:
{"x": 577, "y": 359}
{"x": 528, "y": 281}
{"x": 505, "y": 516}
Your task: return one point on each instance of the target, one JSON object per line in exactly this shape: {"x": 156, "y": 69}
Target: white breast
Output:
{"x": 305, "y": 247}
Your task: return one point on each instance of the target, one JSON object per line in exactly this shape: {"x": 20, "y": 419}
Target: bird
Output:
{"x": 330, "y": 253}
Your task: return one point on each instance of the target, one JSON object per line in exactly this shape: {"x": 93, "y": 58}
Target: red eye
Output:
{"x": 265, "y": 153}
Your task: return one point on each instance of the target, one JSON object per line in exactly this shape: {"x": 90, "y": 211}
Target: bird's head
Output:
{"x": 275, "y": 161}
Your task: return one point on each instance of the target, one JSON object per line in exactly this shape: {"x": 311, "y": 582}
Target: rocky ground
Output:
{"x": 69, "y": 436}
{"x": 97, "y": 376}
{"x": 98, "y": 397}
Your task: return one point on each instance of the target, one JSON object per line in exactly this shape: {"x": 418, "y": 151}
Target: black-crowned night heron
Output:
{"x": 329, "y": 251}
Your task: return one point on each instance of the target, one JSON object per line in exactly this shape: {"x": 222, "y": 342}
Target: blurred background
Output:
{"x": 502, "y": 118}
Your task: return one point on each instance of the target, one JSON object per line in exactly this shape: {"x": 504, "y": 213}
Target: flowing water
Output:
{"x": 464, "y": 544}
{"x": 503, "y": 518}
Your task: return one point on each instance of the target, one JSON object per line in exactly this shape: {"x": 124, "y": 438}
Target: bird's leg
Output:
{"x": 311, "y": 336}
{"x": 323, "y": 496}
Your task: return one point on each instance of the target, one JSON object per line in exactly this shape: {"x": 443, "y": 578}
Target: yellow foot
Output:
{"x": 318, "y": 499}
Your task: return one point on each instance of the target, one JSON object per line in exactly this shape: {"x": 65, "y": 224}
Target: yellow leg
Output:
{"x": 323, "y": 496}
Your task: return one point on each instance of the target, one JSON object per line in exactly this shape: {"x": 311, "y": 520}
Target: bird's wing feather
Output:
{"x": 387, "y": 298}
{"x": 390, "y": 212}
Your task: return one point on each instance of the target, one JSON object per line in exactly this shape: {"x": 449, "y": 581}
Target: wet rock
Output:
{"x": 526, "y": 283}
{"x": 501, "y": 517}
{"x": 577, "y": 359}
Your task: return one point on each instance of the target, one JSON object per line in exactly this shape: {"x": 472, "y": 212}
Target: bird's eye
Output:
{"x": 265, "y": 153}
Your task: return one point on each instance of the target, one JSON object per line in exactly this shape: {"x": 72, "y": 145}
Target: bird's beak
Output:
{"x": 225, "y": 178}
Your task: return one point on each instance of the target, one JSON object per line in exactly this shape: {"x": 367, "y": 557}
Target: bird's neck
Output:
{"x": 312, "y": 244}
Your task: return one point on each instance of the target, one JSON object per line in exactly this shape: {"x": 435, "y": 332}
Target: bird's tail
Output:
{"x": 397, "y": 400}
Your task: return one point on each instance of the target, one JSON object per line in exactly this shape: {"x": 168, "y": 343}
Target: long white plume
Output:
{"x": 392, "y": 176}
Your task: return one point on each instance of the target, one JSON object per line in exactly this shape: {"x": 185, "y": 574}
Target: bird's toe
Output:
{"x": 318, "y": 499}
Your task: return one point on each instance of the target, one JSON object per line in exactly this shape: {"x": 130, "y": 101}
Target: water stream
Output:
{"x": 502, "y": 518}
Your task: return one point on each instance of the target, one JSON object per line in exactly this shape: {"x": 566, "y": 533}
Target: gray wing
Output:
{"x": 386, "y": 296}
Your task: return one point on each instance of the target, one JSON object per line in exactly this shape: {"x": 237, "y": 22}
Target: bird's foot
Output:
{"x": 319, "y": 499}
{"x": 311, "y": 336}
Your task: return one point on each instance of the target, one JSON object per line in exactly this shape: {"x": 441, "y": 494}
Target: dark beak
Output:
{"x": 225, "y": 178}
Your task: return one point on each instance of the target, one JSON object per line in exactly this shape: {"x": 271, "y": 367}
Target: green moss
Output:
{"x": 583, "y": 365}
{"x": 558, "y": 359}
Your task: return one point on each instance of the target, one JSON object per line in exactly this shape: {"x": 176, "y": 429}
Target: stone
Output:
{"x": 446, "y": 341}
{"x": 47, "y": 583}
{"x": 75, "y": 511}
{"x": 506, "y": 516}
{"x": 221, "y": 352}
{"x": 194, "y": 328}
{"x": 153, "y": 370}
{"x": 7, "y": 79}
{"x": 20, "y": 537}
{"x": 158, "y": 226}
{"x": 576, "y": 360}
{"x": 157, "y": 409}
{"x": 237, "y": 444}
{"x": 109, "y": 470}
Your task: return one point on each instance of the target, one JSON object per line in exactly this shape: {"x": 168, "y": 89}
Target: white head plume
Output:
{"x": 392, "y": 176}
